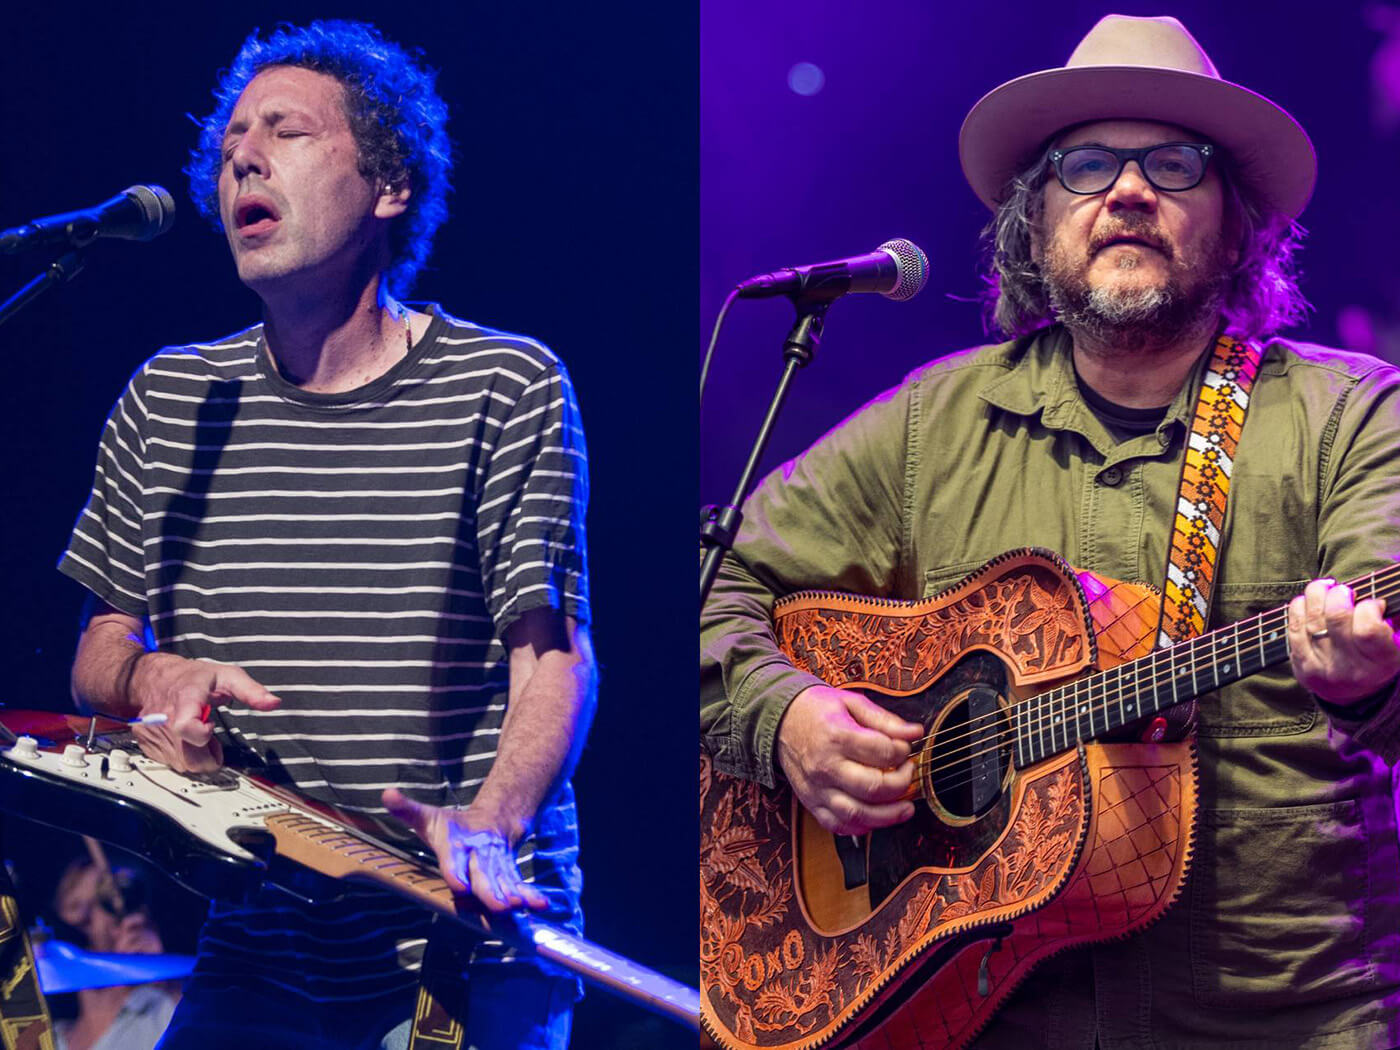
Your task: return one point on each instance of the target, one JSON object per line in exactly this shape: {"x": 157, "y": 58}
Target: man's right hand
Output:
{"x": 183, "y": 690}
{"x": 847, "y": 759}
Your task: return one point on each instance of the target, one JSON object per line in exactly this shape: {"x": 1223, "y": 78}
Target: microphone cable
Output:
{"x": 714, "y": 339}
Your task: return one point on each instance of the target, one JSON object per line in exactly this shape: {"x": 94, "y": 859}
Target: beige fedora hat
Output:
{"x": 1138, "y": 69}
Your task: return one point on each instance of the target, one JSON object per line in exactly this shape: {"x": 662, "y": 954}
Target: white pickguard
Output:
{"x": 208, "y": 805}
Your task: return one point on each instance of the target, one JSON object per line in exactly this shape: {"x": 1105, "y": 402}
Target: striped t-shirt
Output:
{"x": 360, "y": 554}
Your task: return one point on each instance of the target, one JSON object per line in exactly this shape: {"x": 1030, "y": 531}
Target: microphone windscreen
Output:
{"x": 911, "y": 264}
{"x": 157, "y": 209}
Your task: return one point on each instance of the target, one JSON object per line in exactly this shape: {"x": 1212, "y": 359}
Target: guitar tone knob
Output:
{"x": 75, "y": 755}
{"x": 119, "y": 762}
{"x": 27, "y": 747}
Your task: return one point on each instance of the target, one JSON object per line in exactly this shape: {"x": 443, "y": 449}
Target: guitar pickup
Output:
{"x": 851, "y": 851}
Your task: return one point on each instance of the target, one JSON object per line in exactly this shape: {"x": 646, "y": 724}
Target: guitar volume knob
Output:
{"x": 119, "y": 762}
{"x": 75, "y": 755}
{"x": 27, "y": 747}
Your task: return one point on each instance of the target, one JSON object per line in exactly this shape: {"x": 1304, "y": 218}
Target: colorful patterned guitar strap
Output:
{"x": 1201, "y": 499}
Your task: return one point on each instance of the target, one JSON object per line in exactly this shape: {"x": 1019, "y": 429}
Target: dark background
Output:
{"x": 576, "y": 131}
{"x": 789, "y": 179}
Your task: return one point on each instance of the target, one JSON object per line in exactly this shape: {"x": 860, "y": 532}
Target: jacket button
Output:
{"x": 1111, "y": 476}
{"x": 1164, "y": 438}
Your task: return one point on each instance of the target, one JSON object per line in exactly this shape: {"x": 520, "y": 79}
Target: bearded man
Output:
{"x": 1144, "y": 216}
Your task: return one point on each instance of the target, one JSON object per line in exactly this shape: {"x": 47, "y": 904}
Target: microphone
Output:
{"x": 897, "y": 270}
{"x": 138, "y": 213}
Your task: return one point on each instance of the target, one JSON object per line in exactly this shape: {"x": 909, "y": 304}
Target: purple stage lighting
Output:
{"x": 806, "y": 78}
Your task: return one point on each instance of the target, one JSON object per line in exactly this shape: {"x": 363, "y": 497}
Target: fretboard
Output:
{"x": 1090, "y": 707}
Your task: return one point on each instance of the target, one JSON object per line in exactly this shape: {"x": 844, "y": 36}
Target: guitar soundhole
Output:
{"x": 968, "y": 758}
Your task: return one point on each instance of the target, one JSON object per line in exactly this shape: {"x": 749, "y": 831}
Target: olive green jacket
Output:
{"x": 1288, "y": 932}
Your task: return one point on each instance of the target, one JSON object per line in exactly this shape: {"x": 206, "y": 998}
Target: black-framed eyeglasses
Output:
{"x": 1171, "y": 166}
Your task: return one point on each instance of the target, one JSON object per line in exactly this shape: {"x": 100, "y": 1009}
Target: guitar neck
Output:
{"x": 195, "y": 825}
{"x": 322, "y": 844}
{"x": 1059, "y": 719}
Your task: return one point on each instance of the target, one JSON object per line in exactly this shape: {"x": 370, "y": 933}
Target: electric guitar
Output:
{"x": 224, "y": 834}
{"x": 1052, "y": 807}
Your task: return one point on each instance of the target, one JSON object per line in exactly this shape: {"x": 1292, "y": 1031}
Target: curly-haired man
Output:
{"x": 355, "y": 533}
{"x": 1141, "y": 254}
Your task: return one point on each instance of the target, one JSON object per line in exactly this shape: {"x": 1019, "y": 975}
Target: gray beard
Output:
{"x": 1133, "y": 319}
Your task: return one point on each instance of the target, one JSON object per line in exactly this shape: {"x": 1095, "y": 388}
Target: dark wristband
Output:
{"x": 128, "y": 672}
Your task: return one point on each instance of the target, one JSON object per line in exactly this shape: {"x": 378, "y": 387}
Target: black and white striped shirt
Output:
{"x": 360, "y": 554}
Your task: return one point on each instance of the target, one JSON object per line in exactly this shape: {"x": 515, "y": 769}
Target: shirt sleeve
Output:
{"x": 104, "y": 553}
{"x": 832, "y": 518}
{"x": 530, "y": 520}
{"x": 1359, "y": 515}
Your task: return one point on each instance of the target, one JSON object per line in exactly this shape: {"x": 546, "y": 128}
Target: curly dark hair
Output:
{"x": 395, "y": 113}
{"x": 1261, "y": 297}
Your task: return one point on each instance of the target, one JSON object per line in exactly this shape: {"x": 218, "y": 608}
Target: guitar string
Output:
{"x": 1201, "y": 650}
{"x": 1194, "y": 647}
{"x": 297, "y": 807}
{"x": 1176, "y": 666}
{"x": 258, "y": 795}
{"x": 1199, "y": 656}
{"x": 1044, "y": 724}
{"x": 925, "y": 754}
{"x": 958, "y": 758}
{"x": 1045, "y": 720}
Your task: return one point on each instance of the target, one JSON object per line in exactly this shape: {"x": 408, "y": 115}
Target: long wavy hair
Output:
{"x": 395, "y": 113}
{"x": 1261, "y": 297}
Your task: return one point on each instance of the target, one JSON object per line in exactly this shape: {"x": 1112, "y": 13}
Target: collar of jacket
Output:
{"x": 1040, "y": 379}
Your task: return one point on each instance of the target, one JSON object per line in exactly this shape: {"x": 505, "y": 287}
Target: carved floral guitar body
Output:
{"x": 1040, "y": 823}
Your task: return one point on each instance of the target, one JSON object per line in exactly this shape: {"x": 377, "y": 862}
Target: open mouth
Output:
{"x": 255, "y": 215}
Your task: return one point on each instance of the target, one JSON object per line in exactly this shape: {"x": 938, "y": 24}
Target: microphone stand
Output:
{"x": 720, "y": 524}
{"x": 62, "y": 269}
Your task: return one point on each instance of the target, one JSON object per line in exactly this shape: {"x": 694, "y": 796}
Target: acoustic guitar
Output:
{"x": 226, "y": 834}
{"x": 1052, "y": 808}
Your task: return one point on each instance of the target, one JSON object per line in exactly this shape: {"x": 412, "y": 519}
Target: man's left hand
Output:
{"x": 1342, "y": 650}
{"x": 473, "y": 854}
